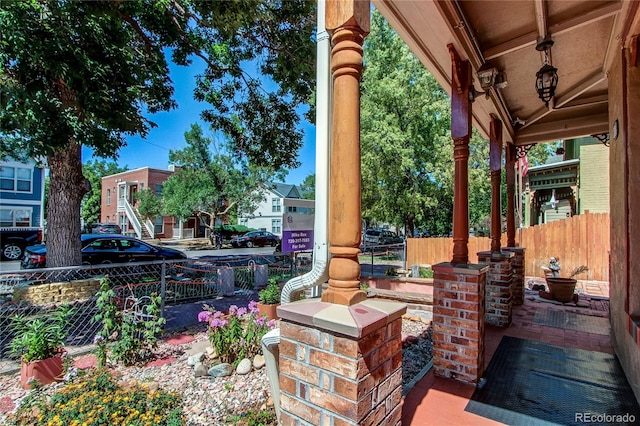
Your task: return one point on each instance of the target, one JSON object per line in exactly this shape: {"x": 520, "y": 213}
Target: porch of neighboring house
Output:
{"x": 441, "y": 401}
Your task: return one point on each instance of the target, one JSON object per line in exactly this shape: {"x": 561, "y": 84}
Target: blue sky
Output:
{"x": 153, "y": 151}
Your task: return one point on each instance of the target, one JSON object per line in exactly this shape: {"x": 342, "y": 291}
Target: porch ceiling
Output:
{"x": 504, "y": 34}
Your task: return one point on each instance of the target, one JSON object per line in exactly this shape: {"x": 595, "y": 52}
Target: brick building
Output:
{"x": 118, "y": 204}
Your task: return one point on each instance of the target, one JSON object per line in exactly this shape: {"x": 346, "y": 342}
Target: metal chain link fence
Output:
{"x": 35, "y": 293}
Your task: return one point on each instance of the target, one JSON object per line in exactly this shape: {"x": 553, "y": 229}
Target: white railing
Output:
{"x": 151, "y": 228}
{"x": 186, "y": 233}
{"x": 131, "y": 215}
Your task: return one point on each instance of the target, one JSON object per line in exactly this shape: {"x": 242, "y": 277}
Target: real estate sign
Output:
{"x": 297, "y": 232}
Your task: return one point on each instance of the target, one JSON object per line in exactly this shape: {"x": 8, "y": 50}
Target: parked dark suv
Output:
{"x": 105, "y": 228}
{"x": 381, "y": 237}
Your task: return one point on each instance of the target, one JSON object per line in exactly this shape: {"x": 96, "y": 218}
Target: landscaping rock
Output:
{"x": 221, "y": 370}
{"x": 244, "y": 367}
{"x": 201, "y": 370}
{"x": 199, "y": 347}
{"x": 194, "y": 359}
{"x": 258, "y": 361}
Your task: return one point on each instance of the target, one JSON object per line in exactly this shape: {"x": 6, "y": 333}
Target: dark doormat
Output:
{"x": 533, "y": 383}
{"x": 572, "y": 321}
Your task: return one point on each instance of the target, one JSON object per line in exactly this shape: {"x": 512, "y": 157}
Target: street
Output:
{"x": 9, "y": 266}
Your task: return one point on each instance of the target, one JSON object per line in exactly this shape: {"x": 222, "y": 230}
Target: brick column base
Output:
{"x": 458, "y": 321}
{"x": 341, "y": 365}
{"x": 498, "y": 301}
{"x": 517, "y": 265}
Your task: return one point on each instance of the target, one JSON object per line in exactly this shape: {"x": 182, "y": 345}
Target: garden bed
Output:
{"x": 209, "y": 400}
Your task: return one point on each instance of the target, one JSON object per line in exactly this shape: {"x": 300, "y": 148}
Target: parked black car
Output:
{"x": 105, "y": 228}
{"x": 102, "y": 248}
{"x": 256, "y": 239}
{"x": 14, "y": 240}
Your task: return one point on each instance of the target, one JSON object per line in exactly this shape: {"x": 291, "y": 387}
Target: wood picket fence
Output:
{"x": 579, "y": 240}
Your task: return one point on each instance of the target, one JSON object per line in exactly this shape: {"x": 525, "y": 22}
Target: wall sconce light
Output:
{"x": 547, "y": 76}
{"x": 517, "y": 123}
{"x": 487, "y": 76}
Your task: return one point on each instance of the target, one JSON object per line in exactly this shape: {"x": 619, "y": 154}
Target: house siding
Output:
{"x": 33, "y": 199}
{"x": 594, "y": 177}
{"x": 263, "y": 216}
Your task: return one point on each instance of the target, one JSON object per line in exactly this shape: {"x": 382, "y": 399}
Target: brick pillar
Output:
{"x": 498, "y": 297}
{"x": 458, "y": 321}
{"x": 341, "y": 365}
{"x": 517, "y": 283}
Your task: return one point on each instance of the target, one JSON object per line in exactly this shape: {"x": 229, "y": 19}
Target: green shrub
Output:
{"x": 270, "y": 295}
{"x": 128, "y": 339}
{"x": 425, "y": 272}
{"x": 41, "y": 337}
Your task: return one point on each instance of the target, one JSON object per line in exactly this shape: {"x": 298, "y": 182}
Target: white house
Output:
{"x": 279, "y": 199}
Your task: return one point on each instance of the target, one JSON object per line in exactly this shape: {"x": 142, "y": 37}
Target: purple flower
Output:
{"x": 97, "y": 339}
{"x": 217, "y": 322}
{"x": 217, "y": 314}
{"x": 204, "y": 316}
{"x": 233, "y": 309}
{"x": 272, "y": 324}
{"x": 261, "y": 320}
{"x": 253, "y": 306}
{"x": 242, "y": 311}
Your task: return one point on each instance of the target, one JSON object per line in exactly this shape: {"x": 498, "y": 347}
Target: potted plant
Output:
{"x": 562, "y": 289}
{"x": 39, "y": 344}
{"x": 269, "y": 299}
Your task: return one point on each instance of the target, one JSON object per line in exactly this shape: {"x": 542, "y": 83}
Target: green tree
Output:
{"x": 405, "y": 126}
{"x": 84, "y": 73}
{"x": 149, "y": 206}
{"x": 211, "y": 186}
{"x": 308, "y": 187}
{"x": 94, "y": 171}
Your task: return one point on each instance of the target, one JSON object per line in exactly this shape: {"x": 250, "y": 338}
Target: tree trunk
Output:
{"x": 67, "y": 186}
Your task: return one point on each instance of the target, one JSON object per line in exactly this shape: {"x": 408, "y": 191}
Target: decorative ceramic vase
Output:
{"x": 268, "y": 311}
{"x": 562, "y": 289}
{"x": 45, "y": 371}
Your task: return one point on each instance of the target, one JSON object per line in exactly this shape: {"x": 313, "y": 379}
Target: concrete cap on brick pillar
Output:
{"x": 495, "y": 256}
{"x": 453, "y": 268}
{"x": 354, "y": 321}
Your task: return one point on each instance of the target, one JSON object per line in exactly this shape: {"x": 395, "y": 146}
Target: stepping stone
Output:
{"x": 85, "y": 362}
{"x": 160, "y": 362}
{"x": 179, "y": 339}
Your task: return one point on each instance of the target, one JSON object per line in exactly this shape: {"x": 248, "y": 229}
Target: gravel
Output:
{"x": 209, "y": 400}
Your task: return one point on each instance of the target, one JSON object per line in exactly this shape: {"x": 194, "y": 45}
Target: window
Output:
{"x": 158, "y": 225}
{"x": 276, "y": 225}
{"x": 16, "y": 179}
{"x": 157, "y": 191}
{"x": 292, "y": 209}
{"x": 108, "y": 198}
{"x": 275, "y": 204}
{"x": 15, "y": 218}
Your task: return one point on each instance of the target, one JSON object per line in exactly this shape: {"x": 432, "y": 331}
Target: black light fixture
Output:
{"x": 547, "y": 76}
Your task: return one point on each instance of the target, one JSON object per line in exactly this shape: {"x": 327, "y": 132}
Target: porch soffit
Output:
{"x": 504, "y": 34}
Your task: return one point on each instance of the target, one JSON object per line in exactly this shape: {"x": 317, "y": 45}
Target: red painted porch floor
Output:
{"x": 439, "y": 401}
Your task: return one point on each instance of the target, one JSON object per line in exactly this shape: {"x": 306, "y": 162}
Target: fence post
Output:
{"x": 163, "y": 286}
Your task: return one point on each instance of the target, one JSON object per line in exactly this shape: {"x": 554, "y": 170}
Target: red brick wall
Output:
{"x": 458, "y": 322}
{"x": 326, "y": 378}
{"x": 148, "y": 178}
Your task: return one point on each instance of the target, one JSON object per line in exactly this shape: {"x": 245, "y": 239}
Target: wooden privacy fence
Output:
{"x": 575, "y": 241}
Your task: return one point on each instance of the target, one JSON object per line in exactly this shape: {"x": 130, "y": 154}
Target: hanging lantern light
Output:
{"x": 547, "y": 76}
